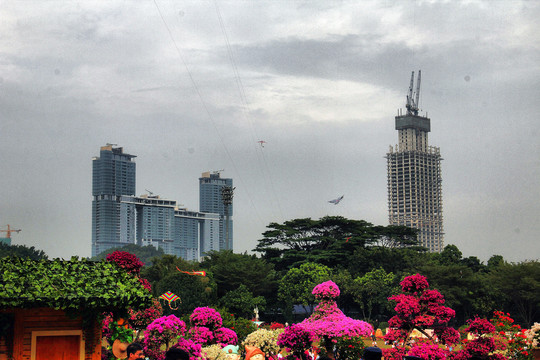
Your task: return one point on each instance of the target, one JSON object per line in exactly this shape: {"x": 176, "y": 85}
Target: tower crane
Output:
{"x": 10, "y": 230}
{"x": 412, "y": 103}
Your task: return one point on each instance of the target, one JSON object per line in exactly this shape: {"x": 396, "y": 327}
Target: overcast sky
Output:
{"x": 192, "y": 86}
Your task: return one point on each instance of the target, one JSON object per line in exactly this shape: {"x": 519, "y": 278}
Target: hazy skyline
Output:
{"x": 193, "y": 86}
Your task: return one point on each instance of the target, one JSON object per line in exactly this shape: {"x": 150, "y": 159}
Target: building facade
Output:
{"x": 120, "y": 218}
{"x": 211, "y": 187}
{"x": 113, "y": 177}
{"x": 414, "y": 177}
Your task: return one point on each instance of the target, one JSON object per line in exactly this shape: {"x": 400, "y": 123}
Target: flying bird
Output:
{"x": 336, "y": 201}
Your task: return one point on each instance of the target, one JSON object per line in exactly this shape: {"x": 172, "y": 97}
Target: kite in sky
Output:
{"x": 261, "y": 142}
{"x": 336, "y": 201}
{"x": 170, "y": 297}
{"x": 197, "y": 273}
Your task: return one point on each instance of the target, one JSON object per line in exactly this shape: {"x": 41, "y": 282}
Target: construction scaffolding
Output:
{"x": 414, "y": 179}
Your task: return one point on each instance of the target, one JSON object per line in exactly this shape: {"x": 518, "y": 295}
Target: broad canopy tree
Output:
{"x": 330, "y": 240}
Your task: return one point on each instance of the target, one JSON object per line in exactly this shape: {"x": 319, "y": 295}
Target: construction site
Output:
{"x": 414, "y": 176}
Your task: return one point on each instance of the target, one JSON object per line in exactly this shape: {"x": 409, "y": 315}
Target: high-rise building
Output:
{"x": 113, "y": 177}
{"x": 215, "y": 196}
{"x": 120, "y": 218}
{"x": 414, "y": 176}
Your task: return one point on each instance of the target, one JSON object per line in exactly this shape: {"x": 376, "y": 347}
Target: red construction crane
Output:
{"x": 9, "y": 231}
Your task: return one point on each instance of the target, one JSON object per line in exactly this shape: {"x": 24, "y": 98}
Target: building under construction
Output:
{"x": 414, "y": 176}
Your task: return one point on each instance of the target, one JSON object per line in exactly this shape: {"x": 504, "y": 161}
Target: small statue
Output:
{"x": 256, "y": 311}
{"x": 231, "y": 352}
{"x": 253, "y": 353}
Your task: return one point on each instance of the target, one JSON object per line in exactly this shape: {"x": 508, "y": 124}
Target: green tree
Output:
{"x": 296, "y": 286}
{"x": 371, "y": 292}
{"x": 519, "y": 287}
{"x": 241, "y": 302}
{"x": 165, "y": 266}
{"x": 194, "y": 291}
{"x": 231, "y": 270}
{"x": 450, "y": 255}
{"x": 21, "y": 251}
{"x": 494, "y": 261}
{"x": 331, "y": 240}
{"x": 144, "y": 253}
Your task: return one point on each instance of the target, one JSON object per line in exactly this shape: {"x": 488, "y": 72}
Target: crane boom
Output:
{"x": 10, "y": 230}
{"x": 412, "y": 103}
{"x": 417, "y": 100}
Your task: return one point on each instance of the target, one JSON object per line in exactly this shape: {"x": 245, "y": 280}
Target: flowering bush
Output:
{"x": 428, "y": 352}
{"x": 480, "y": 326}
{"x": 510, "y": 339}
{"x": 162, "y": 331}
{"x": 414, "y": 284}
{"x": 326, "y": 290}
{"x": 225, "y": 336}
{"x": 420, "y": 308}
{"x": 276, "y": 325}
{"x": 207, "y": 317}
{"x": 201, "y": 335}
{"x": 192, "y": 348}
{"x": 491, "y": 341}
{"x": 328, "y": 320}
{"x": 127, "y": 261}
{"x": 349, "y": 347}
{"x": 212, "y": 352}
{"x": 395, "y": 353}
{"x": 533, "y": 335}
{"x": 295, "y": 339}
{"x": 264, "y": 339}
{"x": 142, "y": 318}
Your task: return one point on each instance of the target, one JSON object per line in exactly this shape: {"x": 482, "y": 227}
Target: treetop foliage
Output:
{"x": 330, "y": 240}
{"x": 21, "y": 251}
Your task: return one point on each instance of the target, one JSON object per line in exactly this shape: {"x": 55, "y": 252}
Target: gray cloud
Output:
{"x": 322, "y": 82}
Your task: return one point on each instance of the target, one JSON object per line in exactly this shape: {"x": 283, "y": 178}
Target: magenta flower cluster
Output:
{"x": 127, "y": 261}
{"x": 414, "y": 284}
{"x": 190, "y": 347}
{"x": 225, "y": 336}
{"x": 328, "y": 320}
{"x": 326, "y": 290}
{"x": 421, "y": 308}
{"x": 167, "y": 324}
{"x": 201, "y": 335}
{"x": 295, "y": 339}
{"x": 163, "y": 330}
{"x": 480, "y": 326}
{"x": 428, "y": 352}
{"x": 207, "y": 317}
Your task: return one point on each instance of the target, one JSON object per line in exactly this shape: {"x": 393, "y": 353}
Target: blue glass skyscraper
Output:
{"x": 113, "y": 179}
{"x": 211, "y": 201}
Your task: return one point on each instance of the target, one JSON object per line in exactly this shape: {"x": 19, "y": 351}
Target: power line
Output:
{"x": 246, "y": 110}
{"x": 208, "y": 113}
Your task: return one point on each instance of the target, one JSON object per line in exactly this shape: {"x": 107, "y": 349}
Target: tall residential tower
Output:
{"x": 215, "y": 196}
{"x": 113, "y": 179}
{"x": 414, "y": 176}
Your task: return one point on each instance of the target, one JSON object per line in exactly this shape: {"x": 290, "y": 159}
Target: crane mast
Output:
{"x": 413, "y": 98}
